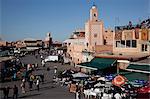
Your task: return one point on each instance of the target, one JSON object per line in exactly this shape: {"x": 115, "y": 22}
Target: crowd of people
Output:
{"x": 31, "y": 79}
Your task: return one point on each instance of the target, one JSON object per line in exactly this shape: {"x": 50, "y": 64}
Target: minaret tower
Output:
{"x": 94, "y": 29}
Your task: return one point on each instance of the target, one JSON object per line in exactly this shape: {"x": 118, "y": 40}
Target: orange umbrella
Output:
{"x": 119, "y": 80}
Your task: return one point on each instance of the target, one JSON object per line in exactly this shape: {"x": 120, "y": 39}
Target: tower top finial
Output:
{"x": 94, "y": 6}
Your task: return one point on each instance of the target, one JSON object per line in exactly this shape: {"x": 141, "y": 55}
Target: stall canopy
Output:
{"x": 143, "y": 67}
{"x": 137, "y": 72}
{"x": 4, "y": 53}
{"x": 98, "y": 63}
{"x": 132, "y": 76}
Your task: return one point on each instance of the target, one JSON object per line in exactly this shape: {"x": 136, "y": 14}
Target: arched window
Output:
{"x": 87, "y": 44}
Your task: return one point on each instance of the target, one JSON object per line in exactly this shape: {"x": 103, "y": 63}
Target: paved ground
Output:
{"x": 47, "y": 90}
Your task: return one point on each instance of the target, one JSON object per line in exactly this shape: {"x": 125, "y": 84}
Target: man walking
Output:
{"x": 42, "y": 78}
{"x": 43, "y": 63}
{"x": 15, "y": 92}
{"x": 4, "y": 92}
{"x": 23, "y": 86}
{"x": 55, "y": 70}
{"x": 31, "y": 79}
{"x": 7, "y": 92}
{"x": 37, "y": 83}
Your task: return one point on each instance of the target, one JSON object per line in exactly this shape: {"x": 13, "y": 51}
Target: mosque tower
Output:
{"x": 94, "y": 29}
{"x": 48, "y": 40}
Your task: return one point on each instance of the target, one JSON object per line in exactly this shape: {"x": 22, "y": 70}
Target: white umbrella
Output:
{"x": 108, "y": 83}
{"x": 99, "y": 85}
{"x": 79, "y": 75}
{"x": 101, "y": 78}
{"x": 64, "y": 72}
{"x": 68, "y": 71}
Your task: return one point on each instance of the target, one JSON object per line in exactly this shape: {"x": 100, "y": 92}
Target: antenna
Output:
{"x": 148, "y": 15}
{"x": 88, "y": 1}
{"x": 117, "y": 21}
{"x": 93, "y": 3}
{"x": 139, "y": 20}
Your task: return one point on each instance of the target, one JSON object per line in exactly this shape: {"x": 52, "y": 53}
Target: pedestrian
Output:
{"x": 28, "y": 67}
{"x": 4, "y": 92}
{"x": 78, "y": 96}
{"x": 48, "y": 68}
{"x": 79, "y": 91}
{"x": 15, "y": 92}
{"x": 36, "y": 56}
{"x": 41, "y": 57}
{"x": 23, "y": 86}
{"x": 36, "y": 65}
{"x": 37, "y": 83}
{"x": 7, "y": 92}
{"x": 42, "y": 78}
{"x": 30, "y": 84}
{"x": 31, "y": 79}
{"x": 43, "y": 63}
{"x": 55, "y": 70}
{"x": 117, "y": 96}
{"x": 54, "y": 79}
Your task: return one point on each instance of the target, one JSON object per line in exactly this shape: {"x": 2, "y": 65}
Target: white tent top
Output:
{"x": 102, "y": 78}
{"x": 79, "y": 75}
{"x": 99, "y": 85}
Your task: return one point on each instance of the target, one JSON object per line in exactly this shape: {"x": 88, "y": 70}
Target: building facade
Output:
{"x": 32, "y": 44}
{"x": 133, "y": 41}
{"x": 75, "y": 45}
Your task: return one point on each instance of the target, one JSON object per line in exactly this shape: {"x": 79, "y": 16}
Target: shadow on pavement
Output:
{"x": 44, "y": 88}
{"x": 46, "y": 82}
{"x": 47, "y": 88}
{"x": 31, "y": 95}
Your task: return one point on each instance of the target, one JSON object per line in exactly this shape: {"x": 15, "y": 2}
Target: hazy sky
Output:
{"x": 34, "y": 18}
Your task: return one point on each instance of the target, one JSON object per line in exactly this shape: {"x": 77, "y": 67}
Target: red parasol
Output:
{"x": 144, "y": 89}
{"x": 119, "y": 80}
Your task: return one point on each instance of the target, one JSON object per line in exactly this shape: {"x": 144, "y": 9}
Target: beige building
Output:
{"x": 20, "y": 44}
{"x": 3, "y": 43}
{"x": 32, "y": 44}
{"x": 76, "y": 45}
{"x": 131, "y": 41}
